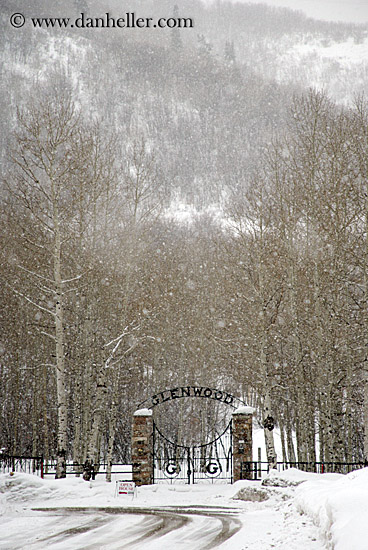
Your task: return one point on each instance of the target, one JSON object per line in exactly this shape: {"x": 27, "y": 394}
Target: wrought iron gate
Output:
{"x": 209, "y": 462}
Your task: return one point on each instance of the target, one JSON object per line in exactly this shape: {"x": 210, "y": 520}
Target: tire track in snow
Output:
{"x": 159, "y": 522}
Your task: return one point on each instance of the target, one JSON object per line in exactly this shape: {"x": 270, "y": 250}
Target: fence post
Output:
{"x": 259, "y": 462}
{"x": 142, "y": 447}
{"x": 242, "y": 443}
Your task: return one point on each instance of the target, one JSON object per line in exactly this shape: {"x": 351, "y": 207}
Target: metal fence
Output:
{"x": 255, "y": 470}
{"x": 24, "y": 464}
{"x": 36, "y": 465}
{"x": 72, "y": 468}
{"x": 259, "y": 469}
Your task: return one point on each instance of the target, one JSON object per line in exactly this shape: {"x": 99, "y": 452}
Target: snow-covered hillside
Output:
{"x": 324, "y": 64}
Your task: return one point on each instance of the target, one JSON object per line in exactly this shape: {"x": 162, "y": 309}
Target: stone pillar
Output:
{"x": 242, "y": 443}
{"x": 142, "y": 447}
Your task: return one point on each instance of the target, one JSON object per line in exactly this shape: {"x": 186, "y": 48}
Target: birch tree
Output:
{"x": 251, "y": 217}
{"x": 51, "y": 159}
{"x": 358, "y": 147}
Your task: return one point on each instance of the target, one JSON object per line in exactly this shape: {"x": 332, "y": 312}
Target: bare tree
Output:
{"x": 54, "y": 167}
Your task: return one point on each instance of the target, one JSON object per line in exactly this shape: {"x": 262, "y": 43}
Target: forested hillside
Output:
{"x": 110, "y": 294}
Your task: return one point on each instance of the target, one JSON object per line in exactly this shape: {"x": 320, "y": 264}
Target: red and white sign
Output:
{"x": 125, "y": 488}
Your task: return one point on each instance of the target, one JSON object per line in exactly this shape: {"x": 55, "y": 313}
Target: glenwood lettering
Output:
{"x": 192, "y": 391}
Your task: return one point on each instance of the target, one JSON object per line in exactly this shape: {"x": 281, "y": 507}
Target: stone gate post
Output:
{"x": 142, "y": 460}
{"x": 242, "y": 443}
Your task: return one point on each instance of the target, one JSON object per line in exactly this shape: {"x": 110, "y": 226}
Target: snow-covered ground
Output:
{"x": 324, "y": 65}
{"x": 291, "y": 511}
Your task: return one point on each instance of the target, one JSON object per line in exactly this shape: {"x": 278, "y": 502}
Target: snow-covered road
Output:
{"x": 156, "y": 528}
{"x": 113, "y": 528}
{"x": 71, "y": 514}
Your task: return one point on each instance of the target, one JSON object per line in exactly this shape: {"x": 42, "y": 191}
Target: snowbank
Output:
{"x": 19, "y": 490}
{"x": 288, "y": 478}
{"x": 338, "y": 504}
{"x": 293, "y": 477}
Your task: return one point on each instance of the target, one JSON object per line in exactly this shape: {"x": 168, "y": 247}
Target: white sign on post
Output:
{"x": 125, "y": 488}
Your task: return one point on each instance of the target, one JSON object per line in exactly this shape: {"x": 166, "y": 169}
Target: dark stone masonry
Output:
{"x": 142, "y": 447}
{"x": 242, "y": 443}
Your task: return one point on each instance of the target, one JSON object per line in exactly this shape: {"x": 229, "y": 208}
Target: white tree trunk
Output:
{"x": 269, "y": 439}
{"x": 366, "y": 419}
{"x": 366, "y": 331}
{"x": 93, "y": 450}
{"x": 112, "y": 427}
{"x": 59, "y": 345}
